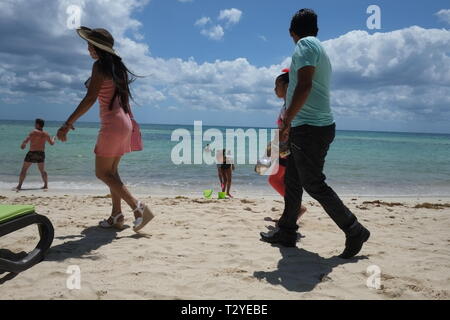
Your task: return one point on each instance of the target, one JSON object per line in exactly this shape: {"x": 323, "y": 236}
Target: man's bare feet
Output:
{"x": 228, "y": 194}
{"x": 45, "y": 188}
{"x": 302, "y": 211}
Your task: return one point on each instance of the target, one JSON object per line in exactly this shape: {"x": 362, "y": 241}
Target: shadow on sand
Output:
{"x": 79, "y": 246}
{"x": 300, "y": 270}
{"x": 13, "y": 256}
{"x": 90, "y": 239}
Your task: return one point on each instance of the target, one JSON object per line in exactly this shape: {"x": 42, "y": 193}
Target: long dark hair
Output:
{"x": 112, "y": 66}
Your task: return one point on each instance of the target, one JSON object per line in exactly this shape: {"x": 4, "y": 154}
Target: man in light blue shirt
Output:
{"x": 309, "y": 125}
{"x": 316, "y": 110}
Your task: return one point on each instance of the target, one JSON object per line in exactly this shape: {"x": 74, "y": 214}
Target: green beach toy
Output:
{"x": 207, "y": 193}
{"x": 222, "y": 195}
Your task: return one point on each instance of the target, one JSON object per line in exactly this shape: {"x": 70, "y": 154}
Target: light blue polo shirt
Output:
{"x": 316, "y": 110}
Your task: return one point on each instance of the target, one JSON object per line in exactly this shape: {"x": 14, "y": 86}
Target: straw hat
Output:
{"x": 100, "y": 38}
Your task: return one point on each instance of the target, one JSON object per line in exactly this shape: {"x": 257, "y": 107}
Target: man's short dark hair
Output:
{"x": 304, "y": 23}
{"x": 40, "y": 122}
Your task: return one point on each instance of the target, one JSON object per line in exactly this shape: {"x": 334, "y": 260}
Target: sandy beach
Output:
{"x": 210, "y": 249}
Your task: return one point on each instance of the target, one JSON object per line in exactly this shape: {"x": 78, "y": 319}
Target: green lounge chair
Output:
{"x": 15, "y": 217}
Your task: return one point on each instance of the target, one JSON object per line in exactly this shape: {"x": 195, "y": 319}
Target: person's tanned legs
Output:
{"x": 23, "y": 174}
{"x": 44, "y": 175}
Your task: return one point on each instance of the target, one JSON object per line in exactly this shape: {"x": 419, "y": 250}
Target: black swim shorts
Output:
{"x": 35, "y": 156}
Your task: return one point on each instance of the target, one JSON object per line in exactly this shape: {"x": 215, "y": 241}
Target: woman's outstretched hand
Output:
{"x": 63, "y": 130}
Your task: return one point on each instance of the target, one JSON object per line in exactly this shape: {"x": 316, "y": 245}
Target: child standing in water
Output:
{"x": 277, "y": 180}
{"x": 37, "y": 138}
{"x": 225, "y": 168}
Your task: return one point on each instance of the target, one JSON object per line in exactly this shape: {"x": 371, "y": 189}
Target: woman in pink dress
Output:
{"x": 109, "y": 83}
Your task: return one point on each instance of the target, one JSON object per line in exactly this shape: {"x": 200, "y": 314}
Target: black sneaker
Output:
{"x": 279, "y": 238}
{"x": 354, "y": 244}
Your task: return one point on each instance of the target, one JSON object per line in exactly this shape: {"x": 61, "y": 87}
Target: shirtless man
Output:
{"x": 37, "y": 138}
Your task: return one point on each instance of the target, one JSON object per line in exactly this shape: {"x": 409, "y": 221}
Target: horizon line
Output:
{"x": 261, "y": 127}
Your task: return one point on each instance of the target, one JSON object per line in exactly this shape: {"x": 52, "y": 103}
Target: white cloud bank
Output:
{"x": 403, "y": 74}
{"x": 399, "y": 75}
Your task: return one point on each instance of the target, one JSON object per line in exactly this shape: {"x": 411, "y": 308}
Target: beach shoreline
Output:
{"x": 199, "y": 248}
{"x": 267, "y": 193}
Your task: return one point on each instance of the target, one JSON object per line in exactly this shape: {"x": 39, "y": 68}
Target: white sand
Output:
{"x": 210, "y": 249}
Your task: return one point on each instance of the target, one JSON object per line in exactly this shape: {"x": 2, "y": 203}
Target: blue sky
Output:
{"x": 215, "y": 61}
{"x": 168, "y": 25}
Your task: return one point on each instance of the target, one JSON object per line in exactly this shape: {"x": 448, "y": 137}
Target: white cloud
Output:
{"x": 214, "y": 33}
{"x": 52, "y": 67}
{"x": 405, "y": 73}
{"x": 444, "y": 15}
{"x": 202, "y": 21}
{"x": 231, "y": 16}
{"x": 41, "y": 57}
{"x": 263, "y": 38}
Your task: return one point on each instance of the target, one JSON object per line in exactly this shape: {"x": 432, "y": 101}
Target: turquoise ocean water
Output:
{"x": 358, "y": 163}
